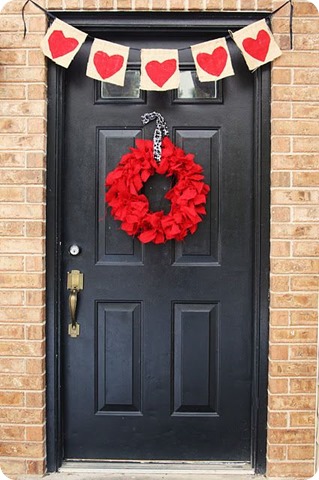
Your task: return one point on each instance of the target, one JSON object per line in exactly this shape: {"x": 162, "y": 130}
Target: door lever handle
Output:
{"x": 74, "y": 284}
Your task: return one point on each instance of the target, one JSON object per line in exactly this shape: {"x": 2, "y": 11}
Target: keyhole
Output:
{"x": 155, "y": 189}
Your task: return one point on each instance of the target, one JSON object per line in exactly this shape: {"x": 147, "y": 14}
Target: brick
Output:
{"x": 12, "y": 432}
{"x": 159, "y": 5}
{"x": 276, "y": 452}
{"x": 12, "y": 398}
{"x": 12, "y": 159}
{"x": 291, "y": 127}
{"x": 35, "y": 434}
{"x": 278, "y": 352}
{"x": 306, "y": 249}
{"x": 305, "y": 144}
{"x": 295, "y": 231}
{"x": 36, "y": 125}
{"x": 280, "y": 179}
{"x": 295, "y": 266}
{"x": 294, "y": 335}
{"x": 306, "y": 214}
{"x": 288, "y": 197}
{"x": 126, "y": 4}
{"x": 304, "y": 318}
{"x": 281, "y": 76}
{"x": 35, "y": 264}
{"x": 291, "y": 402}
{"x": 14, "y": 466}
{"x": 229, "y": 5}
{"x": 35, "y": 229}
{"x": 11, "y": 229}
{"x": 35, "y": 332}
{"x": 12, "y": 365}
{"x": 21, "y": 449}
{"x": 108, "y": 4}
{"x": 291, "y": 436}
{"x": 278, "y": 385}
{"x": 295, "y": 93}
{"x": 303, "y": 352}
{"x": 35, "y": 195}
{"x": 30, "y": 245}
{"x": 26, "y": 280}
{"x": 309, "y": 282}
{"x": 280, "y": 249}
{"x": 37, "y": 91}
{"x": 13, "y": 57}
{"x": 141, "y": 5}
{"x": 306, "y": 42}
{"x": 35, "y": 399}
{"x": 303, "y": 9}
{"x": 11, "y": 331}
{"x": 38, "y": 23}
{"x": 22, "y": 108}
{"x": 280, "y": 144}
{"x": 12, "y": 125}
{"x": 293, "y": 369}
{"x": 279, "y": 317}
{"x": 13, "y": 142}
{"x": 295, "y": 162}
{"x": 177, "y": 4}
{"x": 89, "y": 4}
{"x": 9, "y": 263}
{"x": 35, "y": 365}
{"x": 196, "y": 4}
{"x": 306, "y": 179}
{"x": 302, "y": 385}
{"x": 306, "y": 77}
{"x": 12, "y": 91}
{"x": 12, "y": 194}
{"x": 213, "y": 4}
{"x": 11, "y": 297}
{"x": 294, "y": 300}
{"x": 20, "y": 382}
{"x": 279, "y": 283}
{"x": 305, "y": 25}
{"x": 35, "y": 297}
{"x": 281, "y": 110}
{"x": 305, "y": 111}
{"x": 280, "y": 214}
{"x": 302, "y": 419}
{"x": 21, "y": 211}
{"x": 36, "y": 160}
{"x": 22, "y": 314}
{"x": 297, "y": 59}
{"x": 22, "y": 349}
{"x": 36, "y": 467}
{"x": 301, "y": 452}
{"x": 290, "y": 469}
{"x": 278, "y": 419}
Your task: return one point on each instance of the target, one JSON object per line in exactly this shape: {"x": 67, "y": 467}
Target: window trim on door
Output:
{"x": 190, "y": 21}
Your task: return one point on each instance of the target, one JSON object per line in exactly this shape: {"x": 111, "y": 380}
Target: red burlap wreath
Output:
{"x": 187, "y": 196}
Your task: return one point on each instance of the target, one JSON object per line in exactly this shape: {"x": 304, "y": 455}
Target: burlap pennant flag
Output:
{"x": 159, "y": 69}
{"x": 212, "y": 60}
{"x": 107, "y": 62}
{"x": 62, "y": 42}
{"x": 257, "y": 44}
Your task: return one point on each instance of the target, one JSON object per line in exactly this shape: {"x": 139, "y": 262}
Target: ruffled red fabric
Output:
{"x": 188, "y": 195}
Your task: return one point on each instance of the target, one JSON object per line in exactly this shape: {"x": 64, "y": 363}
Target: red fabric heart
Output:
{"x": 107, "y": 65}
{"x": 258, "y": 48}
{"x": 60, "y": 45}
{"x": 213, "y": 63}
{"x": 160, "y": 72}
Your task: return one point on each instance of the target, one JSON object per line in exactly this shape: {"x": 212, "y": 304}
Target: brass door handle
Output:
{"x": 74, "y": 284}
{"x": 73, "y": 300}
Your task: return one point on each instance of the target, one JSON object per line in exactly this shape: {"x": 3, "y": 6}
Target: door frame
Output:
{"x": 117, "y": 21}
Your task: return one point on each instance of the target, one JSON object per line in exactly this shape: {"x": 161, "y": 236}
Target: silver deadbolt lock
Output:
{"x": 74, "y": 250}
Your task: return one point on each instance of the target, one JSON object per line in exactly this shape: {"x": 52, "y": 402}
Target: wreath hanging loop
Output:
{"x": 160, "y": 132}
{"x": 188, "y": 194}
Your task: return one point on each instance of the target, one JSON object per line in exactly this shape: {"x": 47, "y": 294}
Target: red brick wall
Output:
{"x": 294, "y": 231}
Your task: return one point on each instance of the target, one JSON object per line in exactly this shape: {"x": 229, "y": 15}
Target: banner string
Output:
{"x": 53, "y": 17}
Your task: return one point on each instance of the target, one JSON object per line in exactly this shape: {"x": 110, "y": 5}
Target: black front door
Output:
{"x": 163, "y": 368}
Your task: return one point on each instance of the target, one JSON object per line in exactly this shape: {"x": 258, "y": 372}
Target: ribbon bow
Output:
{"x": 160, "y": 131}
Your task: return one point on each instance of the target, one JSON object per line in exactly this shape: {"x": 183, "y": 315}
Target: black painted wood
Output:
{"x": 165, "y": 367}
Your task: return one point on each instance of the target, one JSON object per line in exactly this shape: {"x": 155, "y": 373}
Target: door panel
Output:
{"x": 163, "y": 367}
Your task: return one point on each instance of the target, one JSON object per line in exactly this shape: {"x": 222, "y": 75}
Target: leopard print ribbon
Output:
{"x": 160, "y": 132}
